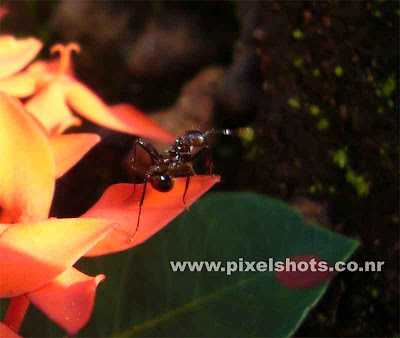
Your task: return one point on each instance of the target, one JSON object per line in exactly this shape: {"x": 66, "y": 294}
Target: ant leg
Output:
{"x": 140, "y": 208}
{"x": 155, "y": 157}
{"x": 133, "y": 165}
{"x": 209, "y": 160}
{"x": 206, "y": 149}
{"x": 186, "y": 189}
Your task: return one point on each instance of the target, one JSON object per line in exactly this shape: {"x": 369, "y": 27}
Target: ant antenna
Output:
{"x": 245, "y": 132}
{"x": 219, "y": 131}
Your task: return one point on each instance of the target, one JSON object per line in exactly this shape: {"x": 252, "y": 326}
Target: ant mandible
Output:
{"x": 177, "y": 162}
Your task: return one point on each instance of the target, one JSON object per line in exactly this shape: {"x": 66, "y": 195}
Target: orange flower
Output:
{"x": 35, "y": 257}
{"x": 37, "y": 253}
{"x": 16, "y": 54}
{"x": 57, "y": 90}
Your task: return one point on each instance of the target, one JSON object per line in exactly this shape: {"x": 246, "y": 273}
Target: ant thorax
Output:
{"x": 179, "y": 169}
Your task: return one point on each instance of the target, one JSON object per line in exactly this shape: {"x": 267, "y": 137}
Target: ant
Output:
{"x": 177, "y": 162}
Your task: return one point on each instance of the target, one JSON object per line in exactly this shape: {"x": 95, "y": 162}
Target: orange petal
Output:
{"x": 27, "y": 170}
{"x": 16, "y": 312}
{"x": 6, "y": 332}
{"x": 43, "y": 67}
{"x": 33, "y": 254}
{"x": 124, "y": 118}
{"x": 68, "y": 299}
{"x": 4, "y": 227}
{"x": 70, "y": 148}
{"x": 295, "y": 279}
{"x": 144, "y": 125}
{"x": 118, "y": 204}
{"x": 49, "y": 107}
{"x": 21, "y": 85}
{"x": 16, "y": 54}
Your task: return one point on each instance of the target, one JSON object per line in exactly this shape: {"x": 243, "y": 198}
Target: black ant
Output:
{"x": 176, "y": 163}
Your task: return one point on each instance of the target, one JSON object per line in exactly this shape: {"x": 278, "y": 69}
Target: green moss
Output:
{"x": 316, "y": 72}
{"x": 294, "y": 103}
{"x": 389, "y": 86}
{"x": 298, "y": 34}
{"x": 298, "y": 63}
{"x": 252, "y": 153}
{"x": 358, "y": 182}
{"x": 322, "y": 124}
{"x": 340, "y": 158}
{"x": 317, "y": 187}
{"x": 338, "y": 71}
{"x": 314, "y": 110}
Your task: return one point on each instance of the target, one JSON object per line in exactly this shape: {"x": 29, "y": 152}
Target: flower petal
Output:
{"x": 144, "y": 125}
{"x": 295, "y": 279}
{"x": 21, "y": 85}
{"x": 27, "y": 171}
{"x": 118, "y": 204}
{"x": 68, "y": 299}
{"x": 6, "y": 332}
{"x": 16, "y": 54}
{"x": 70, "y": 148}
{"x": 16, "y": 312}
{"x": 33, "y": 254}
{"x": 124, "y": 118}
{"x": 49, "y": 107}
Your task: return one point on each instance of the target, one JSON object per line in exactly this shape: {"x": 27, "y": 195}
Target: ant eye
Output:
{"x": 162, "y": 183}
{"x": 199, "y": 141}
{"x": 183, "y": 148}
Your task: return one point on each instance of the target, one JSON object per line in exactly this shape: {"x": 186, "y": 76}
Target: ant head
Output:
{"x": 196, "y": 138}
{"x": 162, "y": 183}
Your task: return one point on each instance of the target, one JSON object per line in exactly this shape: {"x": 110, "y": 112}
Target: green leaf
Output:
{"x": 143, "y": 297}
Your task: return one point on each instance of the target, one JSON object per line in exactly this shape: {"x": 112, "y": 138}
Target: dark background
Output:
{"x": 316, "y": 80}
